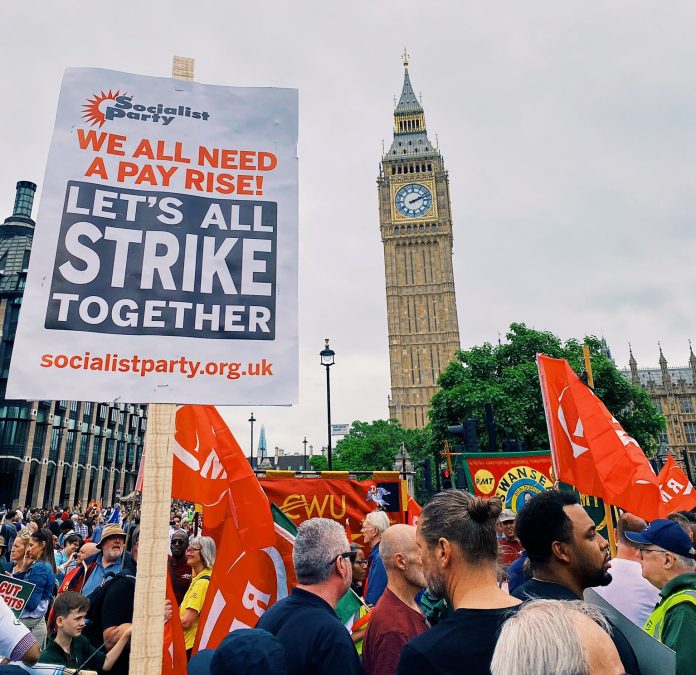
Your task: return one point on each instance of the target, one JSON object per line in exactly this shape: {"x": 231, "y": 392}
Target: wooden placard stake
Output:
{"x": 153, "y": 546}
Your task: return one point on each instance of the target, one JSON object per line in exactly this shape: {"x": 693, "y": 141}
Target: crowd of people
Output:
{"x": 473, "y": 588}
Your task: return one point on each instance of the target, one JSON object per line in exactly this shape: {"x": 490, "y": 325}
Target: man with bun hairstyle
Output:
{"x": 667, "y": 561}
{"x": 456, "y": 536}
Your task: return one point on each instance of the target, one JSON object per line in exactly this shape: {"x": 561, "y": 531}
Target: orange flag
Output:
{"x": 592, "y": 452}
{"x": 413, "y": 511}
{"x": 677, "y": 492}
{"x": 249, "y": 574}
{"x": 173, "y": 648}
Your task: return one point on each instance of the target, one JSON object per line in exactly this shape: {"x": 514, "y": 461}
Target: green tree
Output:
{"x": 506, "y": 376}
{"x": 372, "y": 446}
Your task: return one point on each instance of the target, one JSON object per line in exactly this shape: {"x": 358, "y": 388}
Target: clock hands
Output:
{"x": 411, "y": 200}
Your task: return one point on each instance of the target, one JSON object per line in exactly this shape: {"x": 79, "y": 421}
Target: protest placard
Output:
{"x": 164, "y": 263}
{"x": 15, "y": 592}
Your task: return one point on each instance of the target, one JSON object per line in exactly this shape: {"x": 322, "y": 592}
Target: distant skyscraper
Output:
{"x": 416, "y": 228}
{"x": 262, "y": 447}
{"x": 55, "y": 452}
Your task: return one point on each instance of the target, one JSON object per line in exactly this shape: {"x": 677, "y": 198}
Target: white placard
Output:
{"x": 340, "y": 429}
{"x": 164, "y": 263}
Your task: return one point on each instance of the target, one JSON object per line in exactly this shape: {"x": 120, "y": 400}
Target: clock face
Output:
{"x": 413, "y": 200}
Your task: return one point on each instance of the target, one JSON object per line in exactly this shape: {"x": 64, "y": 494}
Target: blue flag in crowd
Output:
{"x": 114, "y": 516}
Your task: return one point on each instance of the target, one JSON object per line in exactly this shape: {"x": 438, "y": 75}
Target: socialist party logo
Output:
{"x": 116, "y": 105}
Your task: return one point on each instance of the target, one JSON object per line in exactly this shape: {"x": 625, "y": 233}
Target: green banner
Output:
{"x": 15, "y": 592}
{"x": 594, "y": 507}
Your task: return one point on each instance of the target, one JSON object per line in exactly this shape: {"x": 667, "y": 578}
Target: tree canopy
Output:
{"x": 506, "y": 375}
{"x": 372, "y": 446}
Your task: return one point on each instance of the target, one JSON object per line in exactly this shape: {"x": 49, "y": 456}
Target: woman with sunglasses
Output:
{"x": 41, "y": 573}
{"x": 200, "y": 556}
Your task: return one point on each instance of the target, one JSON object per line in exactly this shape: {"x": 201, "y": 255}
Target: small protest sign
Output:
{"x": 15, "y": 592}
{"x": 164, "y": 263}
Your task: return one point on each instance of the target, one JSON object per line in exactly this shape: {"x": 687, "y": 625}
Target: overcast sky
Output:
{"x": 568, "y": 130}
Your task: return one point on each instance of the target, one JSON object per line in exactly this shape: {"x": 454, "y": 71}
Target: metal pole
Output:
{"x": 328, "y": 416}
{"x": 251, "y": 442}
{"x": 305, "y": 453}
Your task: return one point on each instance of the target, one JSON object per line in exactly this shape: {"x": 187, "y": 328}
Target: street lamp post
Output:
{"x": 305, "y": 453}
{"x": 251, "y": 421}
{"x": 327, "y": 360}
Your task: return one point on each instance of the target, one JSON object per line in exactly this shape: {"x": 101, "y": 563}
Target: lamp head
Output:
{"x": 327, "y": 354}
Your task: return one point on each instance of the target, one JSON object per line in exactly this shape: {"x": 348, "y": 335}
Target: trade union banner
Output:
{"x": 341, "y": 499}
{"x": 164, "y": 264}
{"x": 515, "y": 477}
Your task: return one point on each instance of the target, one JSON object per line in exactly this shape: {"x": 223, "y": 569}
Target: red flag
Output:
{"x": 173, "y": 647}
{"x": 677, "y": 492}
{"x": 590, "y": 449}
{"x": 211, "y": 469}
{"x": 141, "y": 472}
{"x": 413, "y": 511}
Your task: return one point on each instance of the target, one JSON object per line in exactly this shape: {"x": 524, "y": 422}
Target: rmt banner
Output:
{"x": 164, "y": 262}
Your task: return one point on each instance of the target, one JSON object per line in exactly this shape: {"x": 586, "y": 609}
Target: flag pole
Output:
{"x": 611, "y": 535}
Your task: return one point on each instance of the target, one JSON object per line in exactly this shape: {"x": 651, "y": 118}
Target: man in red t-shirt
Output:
{"x": 509, "y": 547}
{"x": 179, "y": 570}
{"x": 396, "y": 618}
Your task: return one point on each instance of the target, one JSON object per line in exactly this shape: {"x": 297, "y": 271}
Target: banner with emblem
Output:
{"x": 344, "y": 500}
{"x": 515, "y": 477}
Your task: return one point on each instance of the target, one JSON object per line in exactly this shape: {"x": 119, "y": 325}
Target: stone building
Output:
{"x": 673, "y": 391}
{"x": 56, "y": 452}
{"x": 416, "y": 230}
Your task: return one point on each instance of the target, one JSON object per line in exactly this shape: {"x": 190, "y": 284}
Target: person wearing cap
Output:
{"x": 108, "y": 560}
{"x": 243, "y": 651}
{"x": 509, "y": 547}
{"x": 629, "y": 591}
{"x": 667, "y": 558}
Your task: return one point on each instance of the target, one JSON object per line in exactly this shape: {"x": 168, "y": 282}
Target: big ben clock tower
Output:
{"x": 416, "y": 228}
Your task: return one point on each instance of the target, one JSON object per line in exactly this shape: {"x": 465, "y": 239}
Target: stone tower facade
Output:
{"x": 416, "y": 228}
{"x": 673, "y": 391}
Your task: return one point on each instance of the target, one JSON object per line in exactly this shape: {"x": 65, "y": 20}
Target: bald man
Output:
{"x": 634, "y": 596}
{"x": 396, "y": 618}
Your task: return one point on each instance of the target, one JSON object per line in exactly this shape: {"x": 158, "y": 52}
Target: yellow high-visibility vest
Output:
{"x": 656, "y": 620}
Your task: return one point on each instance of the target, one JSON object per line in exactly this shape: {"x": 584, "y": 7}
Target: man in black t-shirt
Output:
{"x": 315, "y": 641}
{"x": 456, "y": 536}
{"x": 567, "y": 555}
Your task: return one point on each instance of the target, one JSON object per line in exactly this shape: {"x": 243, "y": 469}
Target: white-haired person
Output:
{"x": 556, "y": 637}
{"x": 200, "y": 556}
{"x": 373, "y": 527}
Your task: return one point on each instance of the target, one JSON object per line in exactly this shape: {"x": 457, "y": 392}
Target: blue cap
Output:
{"x": 249, "y": 650}
{"x": 667, "y": 535}
{"x": 200, "y": 662}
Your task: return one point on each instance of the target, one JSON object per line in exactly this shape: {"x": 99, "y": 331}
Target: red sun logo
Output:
{"x": 92, "y": 109}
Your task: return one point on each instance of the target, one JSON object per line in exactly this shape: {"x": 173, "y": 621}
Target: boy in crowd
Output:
{"x": 68, "y": 647}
